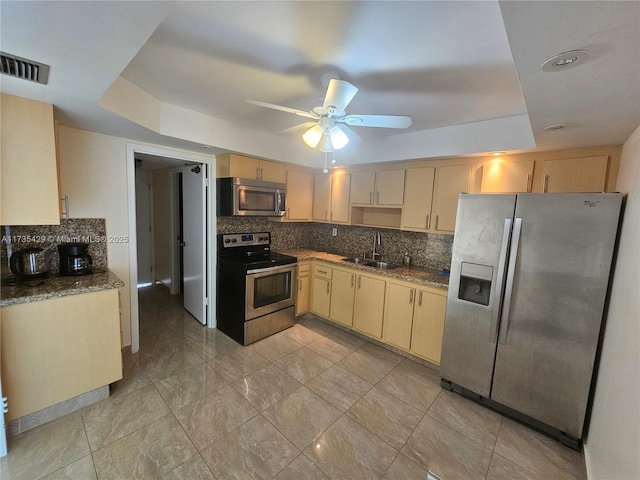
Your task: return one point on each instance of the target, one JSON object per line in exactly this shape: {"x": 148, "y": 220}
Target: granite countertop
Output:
{"x": 56, "y": 286}
{"x": 423, "y": 276}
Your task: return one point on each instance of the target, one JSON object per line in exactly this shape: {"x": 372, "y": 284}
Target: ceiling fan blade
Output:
{"x": 298, "y": 128}
{"x": 353, "y": 136}
{"x": 301, "y": 113}
{"x": 384, "y": 121}
{"x": 339, "y": 94}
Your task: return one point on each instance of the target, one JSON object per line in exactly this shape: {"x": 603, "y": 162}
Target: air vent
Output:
{"x": 23, "y": 68}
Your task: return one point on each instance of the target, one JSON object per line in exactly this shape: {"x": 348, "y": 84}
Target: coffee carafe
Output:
{"x": 74, "y": 259}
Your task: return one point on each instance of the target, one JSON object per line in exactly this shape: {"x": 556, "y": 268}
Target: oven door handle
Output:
{"x": 271, "y": 269}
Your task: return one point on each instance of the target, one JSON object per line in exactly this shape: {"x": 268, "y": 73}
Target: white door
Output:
{"x": 193, "y": 240}
{"x": 143, "y": 227}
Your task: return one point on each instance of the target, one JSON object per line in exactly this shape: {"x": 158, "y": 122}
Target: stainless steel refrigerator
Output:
{"x": 529, "y": 278}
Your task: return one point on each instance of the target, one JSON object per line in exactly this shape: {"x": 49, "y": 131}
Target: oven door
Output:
{"x": 269, "y": 290}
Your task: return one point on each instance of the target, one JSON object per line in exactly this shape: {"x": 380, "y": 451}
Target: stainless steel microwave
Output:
{"x": 246, "y": 197}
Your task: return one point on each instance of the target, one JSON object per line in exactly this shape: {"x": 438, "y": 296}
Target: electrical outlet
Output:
{"x": 334, "y": 232}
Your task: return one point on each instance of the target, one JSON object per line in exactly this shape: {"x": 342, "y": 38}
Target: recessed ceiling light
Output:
{"x": 497, "y": 154}
{"x": 565, "y": 60}
{"x": 557, "y": 126}
{"x": 207, "y": 147}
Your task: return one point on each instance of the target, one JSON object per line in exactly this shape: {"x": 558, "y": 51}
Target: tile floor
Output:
{"x": 312, "y": 402}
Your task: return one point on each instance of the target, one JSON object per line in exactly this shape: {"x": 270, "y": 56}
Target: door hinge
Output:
{"x": 206, "y": 301}
{"x": 206, "y": 182}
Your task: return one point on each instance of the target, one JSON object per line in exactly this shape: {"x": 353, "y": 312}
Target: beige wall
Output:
{"x": 162, "y": 225}
{"x": 613, "y": 443}
{"x": 93, "y": 173}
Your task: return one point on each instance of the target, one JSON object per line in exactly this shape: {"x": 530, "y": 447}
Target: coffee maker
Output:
{"x": 74, "y": 259}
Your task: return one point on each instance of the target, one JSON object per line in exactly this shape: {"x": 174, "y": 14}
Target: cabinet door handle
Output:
{"x": 370, "y": 197}
{"x": 322, "y": 271}
{"x": 426, "y": 222}
{"x": 325, "y": 213}
{"x": 359, "y": 282}
{"x": 420, "y": 299}
{"x": 436, "y": 222}
{"x": 526, "y": 185}
{"x": 300, "y": 284}
{"x": 352, "y": 280}
{"x": 288, "y": 213}
{"x": 258, "y": 173}
{"x": 328, "y": 288}
{"x": 545, "y": 183}
{"x": 377, "y": 198}
{"x": 410, "y": 297}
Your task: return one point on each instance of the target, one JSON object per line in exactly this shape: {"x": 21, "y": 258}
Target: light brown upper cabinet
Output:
{"x": 29, "y": 176}
{"x": 234, "y": 165}
{"x": 431, "y": 197}
{"x": 384, "y": 187}
{"x": 331, "y": 197}
{"x": 299, "y": 196}
{"x": 587, "y": 174}
{"x": 451, "y": 181}
{"x": 505, "y": 176}
{"x": 416, "y": 214}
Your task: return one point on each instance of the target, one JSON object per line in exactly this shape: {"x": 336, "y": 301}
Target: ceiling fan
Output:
{"x": 331, "y": 120}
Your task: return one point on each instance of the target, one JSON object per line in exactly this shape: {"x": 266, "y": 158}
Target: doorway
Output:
{"x": 173, "y": 224}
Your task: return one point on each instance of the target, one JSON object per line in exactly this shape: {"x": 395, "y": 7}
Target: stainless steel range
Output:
{"x": 256, "y": 294}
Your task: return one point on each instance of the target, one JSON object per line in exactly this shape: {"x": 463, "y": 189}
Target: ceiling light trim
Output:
{"x": 565, "y": 60}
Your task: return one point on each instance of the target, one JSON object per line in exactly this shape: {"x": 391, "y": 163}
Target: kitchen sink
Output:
{"x": 371, "y": 263}
{"x": 358, "y": 260}
{"x": 384, "y": 265}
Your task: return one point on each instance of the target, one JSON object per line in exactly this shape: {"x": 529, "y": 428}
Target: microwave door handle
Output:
{"x": 278, "y": 202}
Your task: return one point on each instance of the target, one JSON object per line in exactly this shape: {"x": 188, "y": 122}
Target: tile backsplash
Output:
{"x": 84, "y": 230}
{"x": 426, "y": 249}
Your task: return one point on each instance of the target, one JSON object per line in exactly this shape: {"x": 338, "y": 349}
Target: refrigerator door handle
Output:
{"x": 493, "y": 335}
{"x": 508, "y": 290}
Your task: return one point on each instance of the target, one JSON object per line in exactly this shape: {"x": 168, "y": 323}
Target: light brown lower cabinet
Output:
{"x": 57, "y": 349}
{"x": 342, "y": 295}
{"x": 369, "y": 305}
{"x": 321, "y": 290}
{"x": 304, "y": 284}
{"x": 402, "y": 314}
{"x": 428, "y": 323}
{"x": 398, "y": 314}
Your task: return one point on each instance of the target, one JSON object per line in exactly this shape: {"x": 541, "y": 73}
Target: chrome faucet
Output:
{"x": 376, "y": 243}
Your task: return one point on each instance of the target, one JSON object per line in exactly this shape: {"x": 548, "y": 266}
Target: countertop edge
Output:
{"x": 63, "y": 287}
{"x": 413, "y": 274}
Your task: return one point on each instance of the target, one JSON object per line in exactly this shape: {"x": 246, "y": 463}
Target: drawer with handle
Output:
{"x": 322, "y": 271}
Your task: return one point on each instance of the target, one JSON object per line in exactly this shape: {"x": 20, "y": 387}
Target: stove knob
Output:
{"x": 227, "y": 240}
{"x": 234, "y": 240}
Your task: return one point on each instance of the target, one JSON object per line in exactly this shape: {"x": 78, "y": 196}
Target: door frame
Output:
{"x": 210, "y": 266}
{"x": 151, "y": 225}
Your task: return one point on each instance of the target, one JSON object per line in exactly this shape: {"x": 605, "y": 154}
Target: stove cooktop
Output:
{"x": 250, "y": 262}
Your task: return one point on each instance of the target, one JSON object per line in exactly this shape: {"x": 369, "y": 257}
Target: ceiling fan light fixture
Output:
{"x": 325, "y": 144}
{"x": 339, "y": 139}
{"x": 313, "y": 136}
